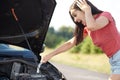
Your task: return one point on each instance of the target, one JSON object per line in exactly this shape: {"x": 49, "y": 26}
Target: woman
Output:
{"x": 100, "y": 26}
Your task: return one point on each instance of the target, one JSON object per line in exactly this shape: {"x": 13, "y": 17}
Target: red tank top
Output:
{"x": 108, "y": 37}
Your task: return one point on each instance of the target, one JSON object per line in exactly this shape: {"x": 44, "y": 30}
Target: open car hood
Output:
{"x": 22, "y": 20}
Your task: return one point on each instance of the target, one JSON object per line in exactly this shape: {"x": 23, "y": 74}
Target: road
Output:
{"x": 72, "y": 73}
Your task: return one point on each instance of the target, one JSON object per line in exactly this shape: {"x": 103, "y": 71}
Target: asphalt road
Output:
{"x": 72, "y": 73}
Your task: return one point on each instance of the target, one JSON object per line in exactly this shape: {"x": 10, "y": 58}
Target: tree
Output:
{"x": 66, "y": 32}
{"x": 87, "y": 47}
{"x": 54, "y": 38}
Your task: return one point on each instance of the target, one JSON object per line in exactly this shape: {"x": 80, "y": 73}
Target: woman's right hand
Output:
{"x": 45, "y": 58}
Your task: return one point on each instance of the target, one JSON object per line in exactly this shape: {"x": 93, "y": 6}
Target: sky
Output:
{"x": 61, "y": 13}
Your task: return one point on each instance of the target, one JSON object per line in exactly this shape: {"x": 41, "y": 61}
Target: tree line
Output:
{"x": 56, "y": 37}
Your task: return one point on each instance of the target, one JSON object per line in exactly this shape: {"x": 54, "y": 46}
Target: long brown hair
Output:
{"x": 78, "y": 33}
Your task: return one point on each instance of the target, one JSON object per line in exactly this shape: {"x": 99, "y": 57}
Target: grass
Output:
{"x": 94, "y": 62}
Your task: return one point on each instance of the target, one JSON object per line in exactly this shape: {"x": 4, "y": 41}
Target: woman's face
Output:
{"x": 78, "y": 16}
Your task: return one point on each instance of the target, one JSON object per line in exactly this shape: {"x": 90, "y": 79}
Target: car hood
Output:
{"x": 24, "y": 21}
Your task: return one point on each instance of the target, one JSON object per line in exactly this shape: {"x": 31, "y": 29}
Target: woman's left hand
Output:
{"x": 82, "y": 4}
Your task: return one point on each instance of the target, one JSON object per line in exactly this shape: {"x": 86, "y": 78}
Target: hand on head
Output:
{"x": 83, "y": 5}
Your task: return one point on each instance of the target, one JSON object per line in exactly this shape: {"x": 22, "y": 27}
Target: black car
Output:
{"x": 23, "y": 28}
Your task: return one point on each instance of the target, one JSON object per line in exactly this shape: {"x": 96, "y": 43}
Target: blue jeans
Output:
{"x": 115, "y": 63}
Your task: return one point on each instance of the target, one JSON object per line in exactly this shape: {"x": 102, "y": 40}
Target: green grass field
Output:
{"x": 94, "y": 62}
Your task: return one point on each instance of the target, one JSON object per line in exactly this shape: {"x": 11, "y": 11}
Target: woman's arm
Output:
{"x": 95, "y": 24}
{"x": 91, "y": 23}
{"x": 66, "y": 46}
